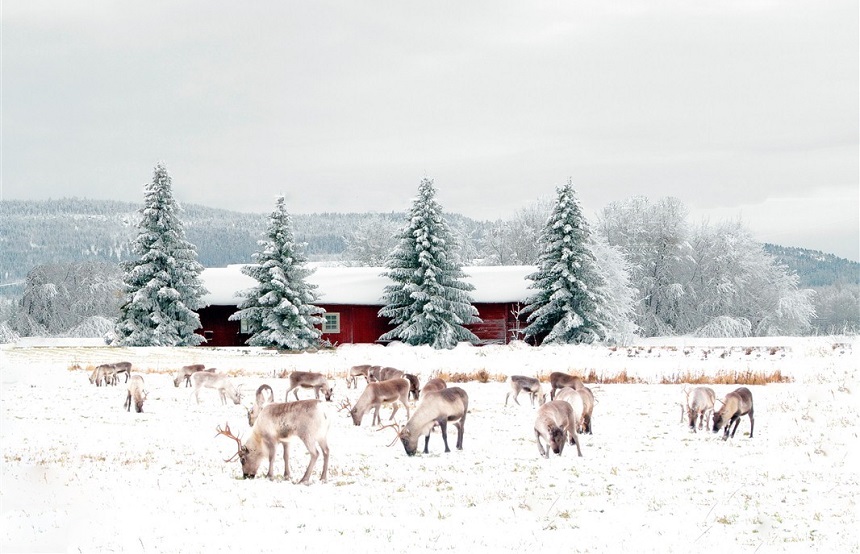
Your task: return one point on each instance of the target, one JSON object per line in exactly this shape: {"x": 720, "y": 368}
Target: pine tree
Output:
{"x": 566, "y": 307}
{"x": 163, "y": 287}
{"x": 428, "y": 302}
{"x": 279, "y": 312}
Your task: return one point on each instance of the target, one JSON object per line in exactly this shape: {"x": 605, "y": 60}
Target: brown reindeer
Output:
{"x": 277, "y": 424}
{"x": 433, "y": 385}
{"x": 308, "y": 380}
{"x": 377, "y": 394}
{"x": 737, "y": 403}
{"x": 185, "y": 372}
{"x": 136, "y": 394}
{"x": 263, "y": 397}
{"x": 531, "y": 385}
{"x": 559, "y": 380}
{"x": 379, "y": 373}
{"x": 355, "y": 372}
{"x": 437, "y": 408}
{"x": 555, "y": 423}
{"x": 414, "y": 385}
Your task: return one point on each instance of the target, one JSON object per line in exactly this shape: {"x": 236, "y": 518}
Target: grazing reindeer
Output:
{"x": 97, "y": 376}
{"x": 355, "y": 372}
{"x": 122, "y": 367}
{"x": 555, "y": 422}
{"x": 437, "y": 408}
{"x": 582, "y": 402}
{"x": 699, "y": 405}
{"x": 308, "y": 380}
{"x": 278, "y": 423}
{"x": 414, "y": 385}
{"x": 109, "y": 374}
{"x": 433, "y": 385}
{"x": 386, "y": 373}
{"x": 737, "y": 403}
{"x": 136, "y": 394}
{"x": 531, "y": 385}
{"x": 217, "y": 381}
{"x": 377, "y": 394}
{"x": 186, "y": 372}
{"x": 263, "y": 397}
{"x": 559, "y": 380}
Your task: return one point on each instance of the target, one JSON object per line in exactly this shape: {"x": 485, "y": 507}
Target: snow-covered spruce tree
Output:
{"x": 566, "y": 307}
{"x": 163, "y": 287}
{"x": 428, "y": 302}
{"x": 279, "y": 312}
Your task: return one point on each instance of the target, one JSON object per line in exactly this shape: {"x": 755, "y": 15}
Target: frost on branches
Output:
{"x": 428, "y": 302}
{"x": 566, "y": 307}
{"x": 163, "y": 287}
{"x": 279, "y": 312}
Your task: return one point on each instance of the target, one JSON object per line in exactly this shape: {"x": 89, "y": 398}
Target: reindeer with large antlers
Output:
{"x": 277, "y": 424}
{"x": 377, "y": 394}
{"x": 437, "y": 408}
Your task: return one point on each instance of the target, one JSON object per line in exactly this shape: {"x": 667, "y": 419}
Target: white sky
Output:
{"x": 739, "y": 108}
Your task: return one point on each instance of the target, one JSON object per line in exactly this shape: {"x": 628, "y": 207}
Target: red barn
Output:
{"x": 352, "y": 298}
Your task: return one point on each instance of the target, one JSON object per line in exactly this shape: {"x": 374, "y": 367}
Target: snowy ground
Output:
{"x": 80, "y": 474}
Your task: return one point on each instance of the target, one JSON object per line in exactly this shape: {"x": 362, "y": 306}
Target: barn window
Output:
{"x": 331, "y": 323}
{"x": 244, "y": 327}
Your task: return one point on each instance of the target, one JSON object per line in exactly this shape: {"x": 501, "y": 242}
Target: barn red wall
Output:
{"x": 358, "y": 324}
{"x": 217, "y": 329}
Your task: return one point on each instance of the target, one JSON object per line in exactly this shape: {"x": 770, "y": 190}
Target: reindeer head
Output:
{"x": 328, "y": 391}
{"x": 405, "y": 436}
{"x": 250, "y": 460}
{"x": 556, "y": 440}
{"x": 718, "y": 417}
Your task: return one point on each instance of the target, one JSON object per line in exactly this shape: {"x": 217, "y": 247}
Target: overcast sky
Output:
{"x": 740, "y": 108}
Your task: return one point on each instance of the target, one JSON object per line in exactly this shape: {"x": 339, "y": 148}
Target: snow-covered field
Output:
{"x": 80, "y": 474}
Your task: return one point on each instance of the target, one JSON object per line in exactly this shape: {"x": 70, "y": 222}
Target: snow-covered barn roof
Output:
{"x": 365, "y": 285}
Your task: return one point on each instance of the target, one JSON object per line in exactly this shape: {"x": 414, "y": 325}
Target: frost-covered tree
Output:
{"x": 162, "y": 287}
{"x": 567, "y": 305}
{"x": 370, "y": 241}
{"x": 279, "y": 311}
{"x": 428, "y": 303}
{"x": 512, "y": 242}
{"x": 618, "y": 311}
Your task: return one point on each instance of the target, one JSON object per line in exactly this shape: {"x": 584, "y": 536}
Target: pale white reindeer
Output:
{"x": 136, "y": 394}
{"x": 699, "y": 405}
{"x": 308, "y": 380}
{"x": 559, "y": 380}
{"x": 216, "y": 381}
{"x": 433, "y": 385}
{"x": 531, "y": 385}
{"x": 375, "y": 395}
{"x": 556, "y": 422}
{"x": 582, "y": 402}
{"x": 278, "y": 423}
{"x": 737, "y": 403}
{"x": 263, "y": 397}
{"x": 436, "y": 408}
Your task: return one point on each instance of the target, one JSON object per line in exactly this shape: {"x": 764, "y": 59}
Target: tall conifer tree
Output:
{"x": 163, "y": 287}
{"x": 566, "y": 306}
{"x": 279, "y": 312}
{"x": 428, "y": 302}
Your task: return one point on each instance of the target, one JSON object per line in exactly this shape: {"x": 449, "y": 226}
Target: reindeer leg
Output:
{"x": 395, "y": 406}
{"x": 544, "y": 453}
{"x": 314, "y": 452}
{"x": 737, "y": 421}
{"x": 752, "y": 423}
{"x": 443, "y": 426}
{"x": 323, "y": 444}
{"x": 286, "y": 460}
{"x": 427, "y": 440}
{"x": 376, "y": 419}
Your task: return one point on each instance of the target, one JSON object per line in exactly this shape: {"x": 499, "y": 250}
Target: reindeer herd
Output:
{"x": 560, "y": 419}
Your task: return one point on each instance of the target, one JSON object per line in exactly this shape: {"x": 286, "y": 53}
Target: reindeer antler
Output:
{"x": 344, "y": 405}
{"x": 396, "y": 427}
{"x": 226, "y": 432}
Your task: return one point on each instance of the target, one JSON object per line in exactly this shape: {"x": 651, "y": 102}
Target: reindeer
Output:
{"x": 531, "y": 385}
{"x": 122, "y": 367}
{"x": 263, "y": 397}
{"x": 559, "y": 380}
{"x": 582, "y": 401}
{"x": 414, "y": 385}
{"x": 699, "y": 404}
{"x": 308, "y": 380}
{"x": 186, "y": 372}
{"x": 355, "y": 372}
{"x": 379, "y": 373}
{"x": 217, "y": 381}
{"x": 98, "y": 375}
{"x": 108, "y": 373}
{"x": 135, "y": 393}
{"x": 377, "y": 394}
{"x": 736, "y": 404}
{"x": 437, "y": 408}
{"x": 433, "y": 385}
{"x": 555, "y": 422}
{"x": 278, "y": 423}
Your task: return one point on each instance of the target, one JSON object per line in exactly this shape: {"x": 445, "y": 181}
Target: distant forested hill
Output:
{"x": 816, "y": 268}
